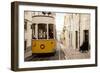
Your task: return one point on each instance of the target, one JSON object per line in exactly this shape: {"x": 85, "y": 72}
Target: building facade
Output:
{"x": 76, "y": 30}
{"x": 27, "y": 29}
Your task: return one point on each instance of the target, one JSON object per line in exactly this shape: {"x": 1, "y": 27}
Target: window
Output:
{"x": 25, "y": 43}
{"x": 86, "y": 35}
{"x": 25, "y": 25}
{"x": 42, "y": 31}
{"x": 33, "y": 31}
{"x": 76, "y": 32}
{"x": 50, "y": 30}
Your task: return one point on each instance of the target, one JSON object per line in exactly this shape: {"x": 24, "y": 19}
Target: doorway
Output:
{"x": 86, "y": 35}
{"x": 76, "y": 42}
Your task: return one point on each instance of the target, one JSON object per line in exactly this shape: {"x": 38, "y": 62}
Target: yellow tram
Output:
{"x": 43, "y": 35}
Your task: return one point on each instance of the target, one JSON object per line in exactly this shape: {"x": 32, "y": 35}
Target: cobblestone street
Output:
{"x": 71, "y": 53}
{"x": 75, "y": 54}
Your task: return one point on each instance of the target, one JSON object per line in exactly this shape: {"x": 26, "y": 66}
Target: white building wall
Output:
{"x": 72, "y": 24}
{"x": 84, "y": 25}
{"x": 28, "y": 15}
{"x": 28, "y": 35}
{"x": 28, "y": 32}
{"x": 75, "y": 27}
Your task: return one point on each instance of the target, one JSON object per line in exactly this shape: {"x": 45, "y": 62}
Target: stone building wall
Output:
{"x": 28, "y": 31}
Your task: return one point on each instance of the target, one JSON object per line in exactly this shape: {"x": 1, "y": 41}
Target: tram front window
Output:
{"x": 42, "y": 31}
{"x": 51, "y": 34}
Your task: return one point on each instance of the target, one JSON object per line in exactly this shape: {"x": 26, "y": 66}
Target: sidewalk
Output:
{"x": 74, "y": 53}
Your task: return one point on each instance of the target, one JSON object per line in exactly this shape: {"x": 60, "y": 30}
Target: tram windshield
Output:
{"x": 51, "y": 33}
{"x": 42, "y": 31}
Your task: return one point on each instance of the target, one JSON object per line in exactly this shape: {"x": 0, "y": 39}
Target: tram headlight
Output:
{"x": 42, "y": 46}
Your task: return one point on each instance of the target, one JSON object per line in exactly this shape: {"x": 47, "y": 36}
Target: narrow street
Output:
{"x": 70, "y": 53}
{"x": 61, "y": 54}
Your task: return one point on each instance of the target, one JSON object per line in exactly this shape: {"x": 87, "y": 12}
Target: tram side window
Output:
{"x": 51, "y": 33}
{"x": 33, "y": 31}
{"x": 42, "y": 31}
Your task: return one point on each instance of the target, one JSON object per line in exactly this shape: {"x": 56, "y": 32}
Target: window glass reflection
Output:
{"x": 51, "y": 33}
{"x": 42, "y": 31}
